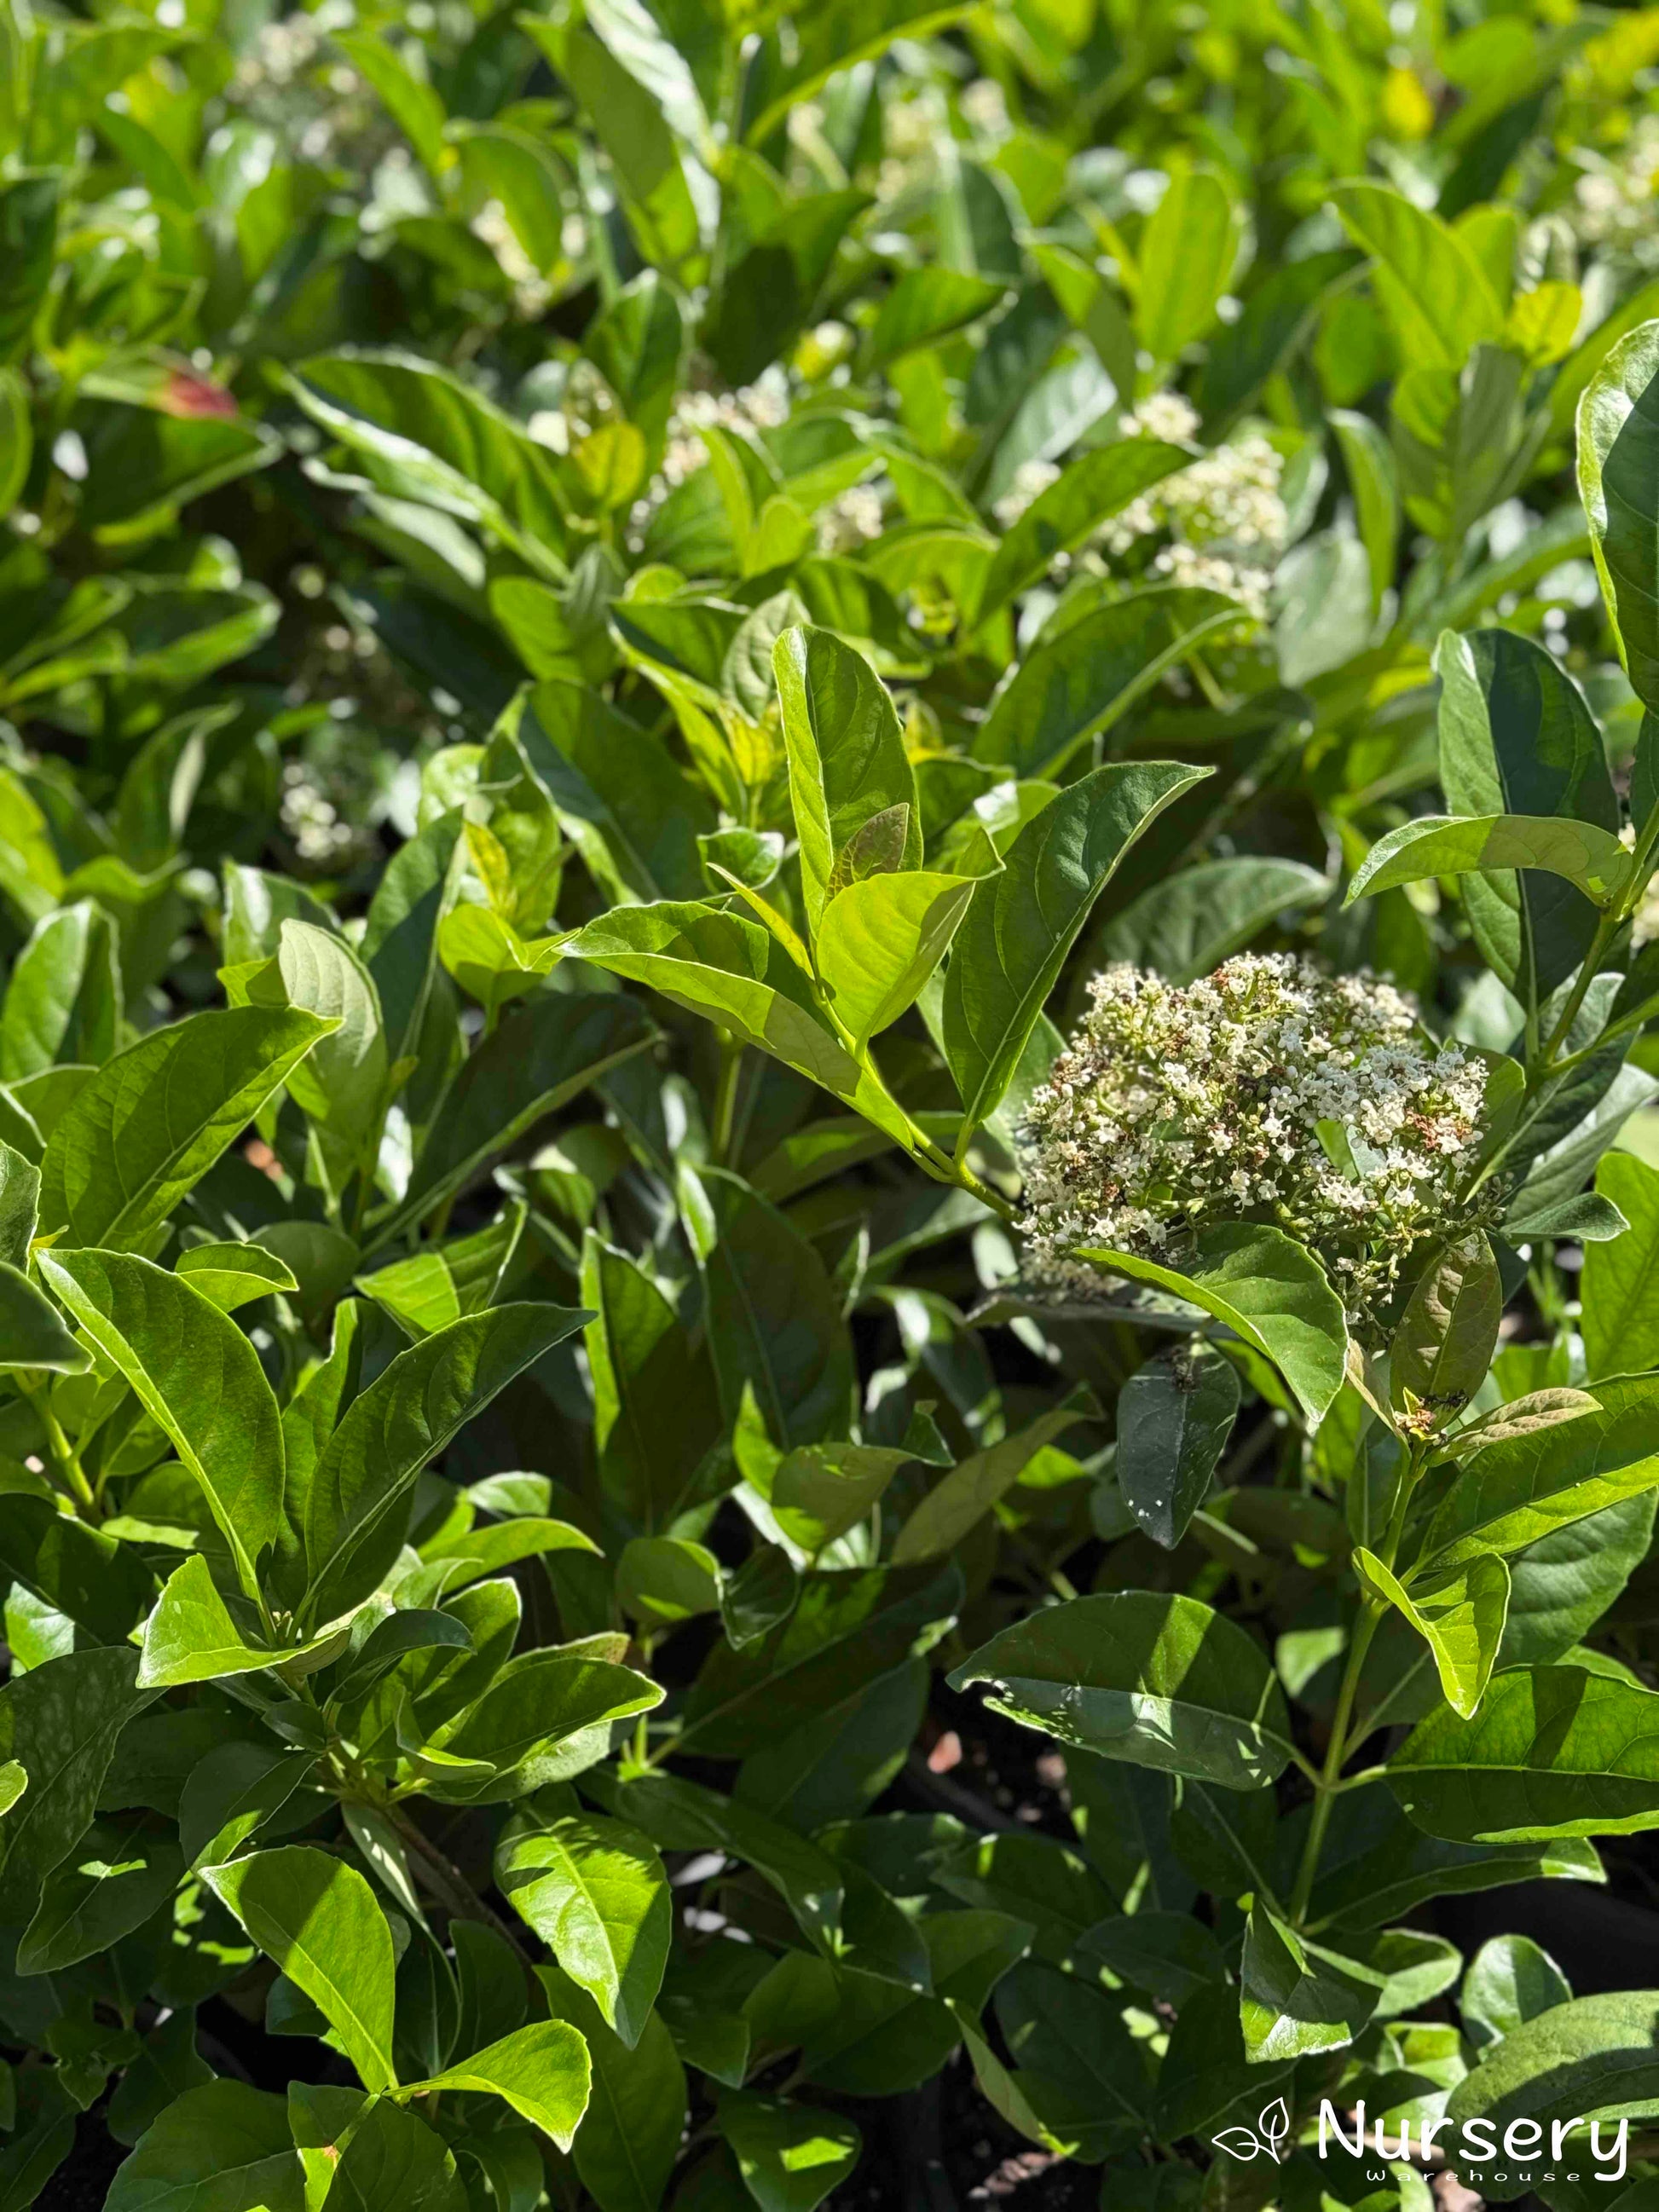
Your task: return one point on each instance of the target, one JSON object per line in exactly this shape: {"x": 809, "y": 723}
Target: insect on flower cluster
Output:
{"x": 1266, "y": 1091}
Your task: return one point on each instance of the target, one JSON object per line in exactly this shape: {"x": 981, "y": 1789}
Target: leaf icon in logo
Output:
{"x": 1275, "y": 2122}
{"x": 1239, "y": 2142}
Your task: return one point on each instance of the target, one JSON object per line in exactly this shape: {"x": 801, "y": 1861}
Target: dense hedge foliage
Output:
{"x": 829, "y": 1347}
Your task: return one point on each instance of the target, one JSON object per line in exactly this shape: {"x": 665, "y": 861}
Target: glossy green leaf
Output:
{"x": 1010, "y": 951}
{"x": 59, "y": 1721}
{"x": 118, "y": 1875}
{"x": 1432, "y": 286}
{"x": 154, "y": 1118}
{"x": 596, "y": 1892}
{"x": 32, "y": 1332}
{"x": 232, "y": 1275}
{"x": 1590, "y": 857}
{"x": 191, "y": 1635}
{"x": 962, "y": 1497}
{"x": 541, "y": 2071}
{"x": 847, "y": 758}
{"x": 350, "y": 1517}
{"x": 881, "y": 939}
{"x": 220, "y": 2145}
{"x": 1296, "y": 2000}
{"x": 196, "y": 1376}
{"x": 790, "y": 2156}
{"x": 1591, "y": 2055}
{"x": 1445, "y": 1340}
{"x": 1460, "y": 1615}
{"x": 1509, "y": 1981}
{"x": 1174, "y": 1417}
{"x": 926, "y": 305}
{"x": 661, "y": 1580}
{"x": 1554, "y": 1752}
{"x": 1516, "y": 737}
{"x": 626, "y": 2148}
{"x": 63, "y": 997}
{"x": 1159, "y": 1680}
{"x": 1514, "y": 1492}
{"x": 1090, "y": 491}
{"x": 1620, "y": 1320}
{"x": 318, "y": 1919}
{"x": 1186, "y": 255}
{"x": 1268, "y": 1290}
{"x": 1616, "y": 472}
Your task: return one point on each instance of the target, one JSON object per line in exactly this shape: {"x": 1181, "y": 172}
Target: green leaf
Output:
{"x": 190, "y": 1637}
{"x": 1168, "y": 1954}
{"x": 218, "y": 2149}
{"x": 596, "y": 1892}
{"x": 1160, "y": 1680}
{"x": 196, "y": 1376}
{"x": 682, "y": 1816}
{"x": 1454, "y": 845}
{"x": 32, "y": 1332}
{"x": 790, "y": 2156}
{"x": 1514, "y": 1492}
{"x": 17, "y": 439}
{"x": 1294, "y": 1999}
{"x": 540, "y": 2070}
{"x": 84, "y": 1573}
{"x": 1442, "y": 1346}
{"x": 1509, "y": 1981}
{"x": 119, "y": 1875}
{"x": 1591, "y": 2055}
{"x": 1431, "y": 285}
{"x": 629, "y": 2139}
{"x": 232, "y": 1275}
{"x": 429, "y": 437}
{"x": 59, "y": 1721}
{"x": 63, "y": 998}
{"x": 962, "y": 1497}
{"x": 231, "y": 1793}
{"x": 1089, "y": 492}
{"x": 536, "y": 1060}
{"x": 1269, "y": 1291}
{"x": 367, "y": 2153}
{"x": 1617, "y": 474}
{"x": 847, "y": 1627}
{"x": 536, "y": 1703}
{"x": 846, "y": 757}
{"x": 1460, "y": 1616}
{"x": 412, "y": 104}
{"x": 821, "y": 1491}
{"x": 774, "y": 1319}
{"x": 926, "y": 305}
{"x": 19, "y": 1206}
{"x": 1174, "y": 1416}
{"x": 350, "y": 1517}
{"x": 1619, "y": 1285}
{"x": 152, "y": 1121}
{"x": 318, "y": 1918}
{"x": 1022, "y": 924}
{"x": 28, "y": 233}
{"x": 655, "y": 1412}
{"x": 1187, "y": 254}
{"x": 1554, "y": 1752}
{"x": 662, "y": 1580}
{"x": 1195, "y": 920}
{"x": 880, "y": 939}
{"x": 1516, "y": 737}
{"x": 341, "y": 1085}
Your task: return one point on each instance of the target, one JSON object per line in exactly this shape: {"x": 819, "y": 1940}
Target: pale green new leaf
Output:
{"x": 596, "y": 1892}
{"x": 1460, "y": 1615}
{"x": 540, "y": 2070}
{"x": 1461, "y": 845}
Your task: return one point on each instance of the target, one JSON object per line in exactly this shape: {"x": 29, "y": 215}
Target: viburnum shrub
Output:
{"x": 829, "y": 1163}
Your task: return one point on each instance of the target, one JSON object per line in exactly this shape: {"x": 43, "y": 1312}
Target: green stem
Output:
{"x": 65, "y": 1456}
{"x": 1336, "y": 1751}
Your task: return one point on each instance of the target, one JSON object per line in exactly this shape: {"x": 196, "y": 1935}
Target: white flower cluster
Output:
{"x": 531, "y": 294}
{"x": 763, "y": 405}
{"x": 312, "y": 820}
{"x": 851, "y": 519}
{"x": 1225, "y": 518}
{"x": 1613, "y": 205}
{"x": 1266, "y": 1092}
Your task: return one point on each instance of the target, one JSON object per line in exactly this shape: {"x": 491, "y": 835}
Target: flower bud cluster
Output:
{"x": 1266, "y": 1092}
